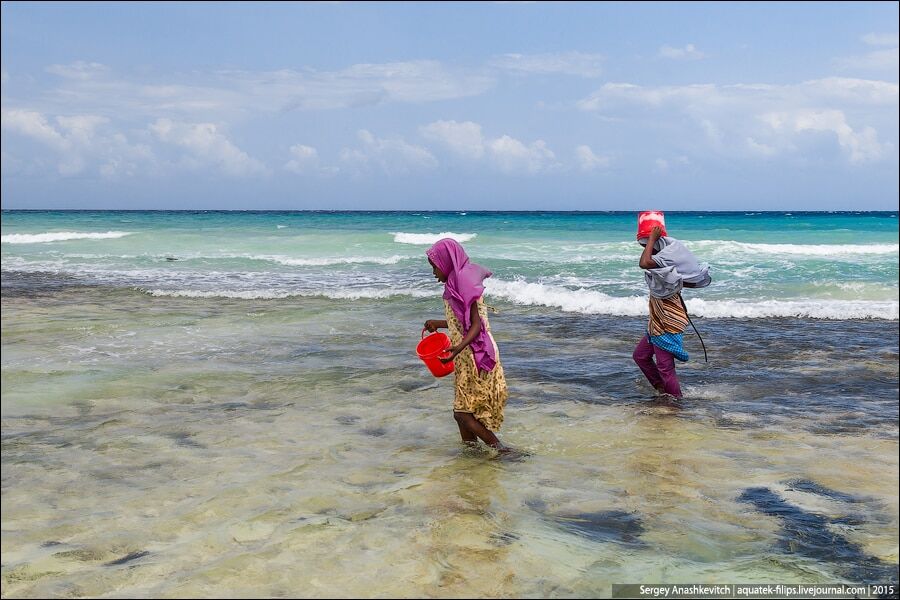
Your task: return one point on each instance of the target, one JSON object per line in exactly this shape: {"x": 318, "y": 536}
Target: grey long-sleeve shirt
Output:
{"x": 677, "y": 265}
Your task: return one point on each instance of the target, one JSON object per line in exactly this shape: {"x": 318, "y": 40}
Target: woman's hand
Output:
{"x": 433, "y": 325}
{"x": 449, "y": 358}
{"x": 655, "y": 234}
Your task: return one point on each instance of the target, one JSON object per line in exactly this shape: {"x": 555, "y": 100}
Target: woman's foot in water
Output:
{"x": 509, "y": 453}
{"x": 665, "y": 399}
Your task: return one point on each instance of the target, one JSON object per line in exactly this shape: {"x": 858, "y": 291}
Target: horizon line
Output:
{"x": 456, "y": 212}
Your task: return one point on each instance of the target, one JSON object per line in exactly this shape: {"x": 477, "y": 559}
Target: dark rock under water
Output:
{"x": 807, "y": 533}
{"x": 127, "y": 558}
{"x": 602, "y": 526}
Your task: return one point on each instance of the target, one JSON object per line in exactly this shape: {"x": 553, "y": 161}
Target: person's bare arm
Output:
{"x": 474, "y": 330}
{"x": 433, "y": 325}
{"x": 647, "y": 261}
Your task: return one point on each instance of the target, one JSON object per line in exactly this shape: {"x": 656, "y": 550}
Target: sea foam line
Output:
{"x": 401, "y": 237}
{"x": 593, "y": 302}
{"x": 268, "y": 294}
{"x": 581, "y": 301}
{"x": 794, "y": 249}
{"x": 59, "y": 236}
{"x": 328, "y": 260}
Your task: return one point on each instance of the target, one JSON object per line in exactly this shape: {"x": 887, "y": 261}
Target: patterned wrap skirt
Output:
{"x": 483, "y": 394}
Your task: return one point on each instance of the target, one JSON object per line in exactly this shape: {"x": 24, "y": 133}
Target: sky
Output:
{"x": 450, "y": 106}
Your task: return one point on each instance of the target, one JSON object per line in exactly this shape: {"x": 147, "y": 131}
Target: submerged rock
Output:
{"x": 811, "y": 487}
{"x": 128, "y": 558}
{"x": 601, "y": 526}
{"x": 807, "y": 533}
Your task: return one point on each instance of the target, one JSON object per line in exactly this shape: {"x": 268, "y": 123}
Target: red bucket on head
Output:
{"x": 431, "y": 349}
{"x": 649, "y": 219}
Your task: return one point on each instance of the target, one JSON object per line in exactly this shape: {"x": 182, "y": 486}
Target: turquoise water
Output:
{"x": 819, "y": 265}
{"x": 248, "y": 419}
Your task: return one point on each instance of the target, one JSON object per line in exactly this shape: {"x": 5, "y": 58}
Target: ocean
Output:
{"x": 202, "y": 403}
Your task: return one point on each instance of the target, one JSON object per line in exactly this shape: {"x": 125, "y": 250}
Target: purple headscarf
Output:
{"x": 463, "y": 288}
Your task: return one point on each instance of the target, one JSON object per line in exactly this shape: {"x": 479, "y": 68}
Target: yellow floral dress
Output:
{"x": 481, "y": 393}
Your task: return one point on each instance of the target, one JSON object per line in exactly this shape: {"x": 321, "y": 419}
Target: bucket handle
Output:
{"x": 423, "y": 337}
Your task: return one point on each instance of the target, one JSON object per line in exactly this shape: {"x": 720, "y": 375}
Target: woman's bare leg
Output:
{"x": 464, "y": 432}
{"x": 468, "y": 422}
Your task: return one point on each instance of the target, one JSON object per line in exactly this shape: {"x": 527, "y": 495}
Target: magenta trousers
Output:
{"x": 660, "y": 374}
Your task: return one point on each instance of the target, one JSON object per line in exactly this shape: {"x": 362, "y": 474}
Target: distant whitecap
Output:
{"x": 59, "y": 236}
{"x": 429, "y": 238}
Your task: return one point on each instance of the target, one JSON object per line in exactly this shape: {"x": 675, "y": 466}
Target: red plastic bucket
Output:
{"x": 430, "y": 350}
{"x": 649, "y": 219}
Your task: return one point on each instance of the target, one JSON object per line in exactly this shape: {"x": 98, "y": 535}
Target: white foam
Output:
{"x": 580, "y": 300}
{"x": 240, "y": 294}
{"x": 812, "y": 309}
{"x": 718, "y": 391}
{"x": 59, "y": 236}
{"x": 330, "y": 260}
{"x": 731, "y": 247}
{"x": 593, "y": 302}
{"x": 356, "y": 294}
{"x": 268, "y": 294}
{"x": 430, "y": 238}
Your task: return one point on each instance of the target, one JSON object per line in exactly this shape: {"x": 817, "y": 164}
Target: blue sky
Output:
{"x": 491, "y": 106}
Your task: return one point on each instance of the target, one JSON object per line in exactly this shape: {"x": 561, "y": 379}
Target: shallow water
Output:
{"x": 171, "y": 447}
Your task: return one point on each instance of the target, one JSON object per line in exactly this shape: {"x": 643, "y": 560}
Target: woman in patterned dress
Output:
{"x": 665, "y": 328}
{"x": 480, "y": 385}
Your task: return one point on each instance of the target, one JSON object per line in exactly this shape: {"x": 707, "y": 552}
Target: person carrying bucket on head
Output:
{"x": 669, "y": 266}
{"x": 481, "y": 391}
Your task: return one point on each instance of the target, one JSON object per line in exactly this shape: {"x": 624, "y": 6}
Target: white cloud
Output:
{"x": 860, "y": 146}
{"x": 689, "y": 52}
{"x": 565, "y": 63}
{"x": 882, "y": 39}
{"x": 207, "y": 146}
{"x": 511, "y": 155}
{"x": 883, "y": 59}
{"x": 393, "y": 155}
{"x": 81, "y": 128}
{"x": 846, "y": 90}
{"x": 412, "y": 81}
{"x": 588, "y": 161}
{"x": 617, "y": 95}
{"x": 91, "y": 87}
{"x": 662, "y": 165}
{"x": 79, "y": 70}
{"x": 305, "y": 160}
{"x": 878, "y": 60}
{"x": 464, "y": 139}
{"x": 737, "y": 120}
{"x": 505, "y": 153}
{"x": 81, "y": 142}
{"x": 34, "y": 125}
{"x": 760, "y": 149}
